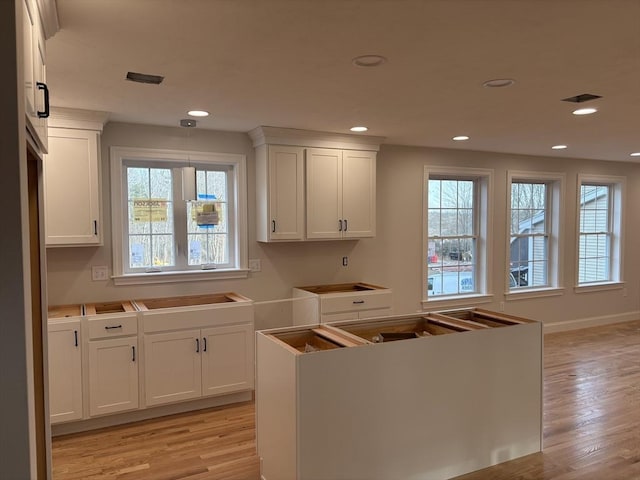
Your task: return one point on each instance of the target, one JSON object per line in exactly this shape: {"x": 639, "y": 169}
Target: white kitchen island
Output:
{"x": 458, "y": 397}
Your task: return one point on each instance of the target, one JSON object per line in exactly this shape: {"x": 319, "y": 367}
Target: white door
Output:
{"x": 71, "y": 188}
{"x": 227, "y": 359}
{"x": 172, "y": 366}
{"x": 113, "y": 375}
{"x": 324, "y": 193}
{"x": 359, "y": 194}
{"x": 65, "y": 371}
{"x": 286, "y": 192}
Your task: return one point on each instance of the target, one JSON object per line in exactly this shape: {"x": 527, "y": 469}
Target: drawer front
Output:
{"x": 167, "y": 319}
{"x": 355, "y": 301}
{"x": 113, "y": 326}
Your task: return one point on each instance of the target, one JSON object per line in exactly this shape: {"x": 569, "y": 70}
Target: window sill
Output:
{"x": 598, "y": 287}
{"x": 458, "y": 301}
{"x": 533, "y": 293}
{"x": 176, "y": 277}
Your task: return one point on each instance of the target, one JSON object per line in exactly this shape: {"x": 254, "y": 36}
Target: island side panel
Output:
{"x": 433, "y": 407}
{"x": 275, "y": 409}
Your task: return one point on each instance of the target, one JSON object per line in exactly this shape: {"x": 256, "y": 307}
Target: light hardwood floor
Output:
{"x": 591, "y": 426}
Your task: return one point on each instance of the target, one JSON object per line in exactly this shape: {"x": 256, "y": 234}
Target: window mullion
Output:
{"x": 181, "y": 244}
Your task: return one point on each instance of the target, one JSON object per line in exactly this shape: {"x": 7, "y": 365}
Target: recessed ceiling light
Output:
{"x": 499, "y": 83}
{"x": 559, "y": 147}
{"x": 368, "y": 60}
{"x": 198, "y": 113}
{"x": 585, "y": 111}
{"x": 460, "y": 138}
{"x": 359, "y": 129}
{"x": 635, "y": 154}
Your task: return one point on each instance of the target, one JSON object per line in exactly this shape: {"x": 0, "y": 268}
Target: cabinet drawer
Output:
{"x": 355, "y": 302}
{"x": 113, "y": 326}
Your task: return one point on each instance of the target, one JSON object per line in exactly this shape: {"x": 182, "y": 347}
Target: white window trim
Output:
{"x": 555, "y": 195}
{"x": 484, "y": 243}
{"x": 118, "y": 156}
{"x": 617, "y": 213}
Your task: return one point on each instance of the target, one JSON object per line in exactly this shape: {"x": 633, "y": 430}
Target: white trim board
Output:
{"x": 591, "y": 322}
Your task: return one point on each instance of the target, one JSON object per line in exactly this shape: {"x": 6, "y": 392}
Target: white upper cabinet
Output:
{"x": 330, "y": 194}
{"x": 72, "y": 190}
{"x": 279, "y": 193}
{"x": 341, "y": 187}
{"x": 36, "y": 92}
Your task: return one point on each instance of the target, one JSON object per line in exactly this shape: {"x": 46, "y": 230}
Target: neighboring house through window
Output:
{"x": 600, "y": 199}
{"x": 534, "y": 219}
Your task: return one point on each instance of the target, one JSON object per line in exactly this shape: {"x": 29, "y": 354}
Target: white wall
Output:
{"x": 391, "y": 259}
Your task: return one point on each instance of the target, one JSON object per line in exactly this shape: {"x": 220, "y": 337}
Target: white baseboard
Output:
{"x": 591, "y": 322}
{"x": 147, "y": 413}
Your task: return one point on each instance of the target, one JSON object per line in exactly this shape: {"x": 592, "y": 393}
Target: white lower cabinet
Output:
{"x": 196, "y": 363}
{"x": 227, "y": 359}
{"x": 65, "y": 370}
{"x": 113, "y": 375}
{"x": 172, "y": 367}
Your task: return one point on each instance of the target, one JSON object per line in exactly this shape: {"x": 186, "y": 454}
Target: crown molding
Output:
{"x": 79, "y": 119}
{"x": 309, "y": 138}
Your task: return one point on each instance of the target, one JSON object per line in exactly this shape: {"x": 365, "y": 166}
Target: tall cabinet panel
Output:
{"x": 72, "y": 198}
{"x": 324, "y": 193}
{"x": 65, "y": 371}
{"x": 280, "y": 193}
{"x": 359, "y": 194}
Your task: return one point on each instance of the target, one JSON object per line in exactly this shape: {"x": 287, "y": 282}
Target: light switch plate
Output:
{"x": 99, "y": 273}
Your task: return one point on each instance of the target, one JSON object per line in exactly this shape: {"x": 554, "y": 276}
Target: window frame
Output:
{"x": 483, "y": 221}
{"x": 617, "y": 185}
{"x": 554, "y": 218}
{"x": 121, "y": 156}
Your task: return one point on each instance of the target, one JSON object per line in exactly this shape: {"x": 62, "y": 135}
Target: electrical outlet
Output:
{"x": 345, "y": 261}
{"x": 99, "y": 273}
{"x": 255, "y": 265}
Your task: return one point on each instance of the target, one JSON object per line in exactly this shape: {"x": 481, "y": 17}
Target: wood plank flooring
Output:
{"x": 591, "y": 426}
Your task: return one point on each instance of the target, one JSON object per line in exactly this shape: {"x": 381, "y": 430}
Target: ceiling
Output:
{"x": 288, "y": 63}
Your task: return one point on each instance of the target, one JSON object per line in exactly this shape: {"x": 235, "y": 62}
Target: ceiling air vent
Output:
{"x": 145, "y": 78}
{"x": 585, "y": 97}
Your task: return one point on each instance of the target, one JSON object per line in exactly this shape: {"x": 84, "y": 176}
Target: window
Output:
{"x": 456, "y": 232}
{"x": 156, "y": 232}
{"x": 535, "y": 222}
{"x": 600, "y": 230}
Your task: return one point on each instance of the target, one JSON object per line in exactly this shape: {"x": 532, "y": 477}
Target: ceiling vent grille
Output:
{"x": 585, "y": 97}
{"x": 145, "y": 78}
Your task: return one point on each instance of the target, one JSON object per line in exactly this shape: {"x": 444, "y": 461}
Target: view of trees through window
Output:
{"x": 529, "y": 242}
{"x": 451, "y": 237}
{"x": 161, "y": 229}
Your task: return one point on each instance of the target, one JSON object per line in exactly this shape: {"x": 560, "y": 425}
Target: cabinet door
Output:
{"x": 286, "y": 194}
{"x": 172, "y": 367}
{"x": 39, "y": 75}
{"x": 227, "y": 359}
{"x": 28, "y": 27}
{"x": 71, "y": 188}
{"x": 65, "y": 371}
{"x": 358, "y": 194}
{"x": 113, "y": 375}
{"x": 324, "y": 193}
